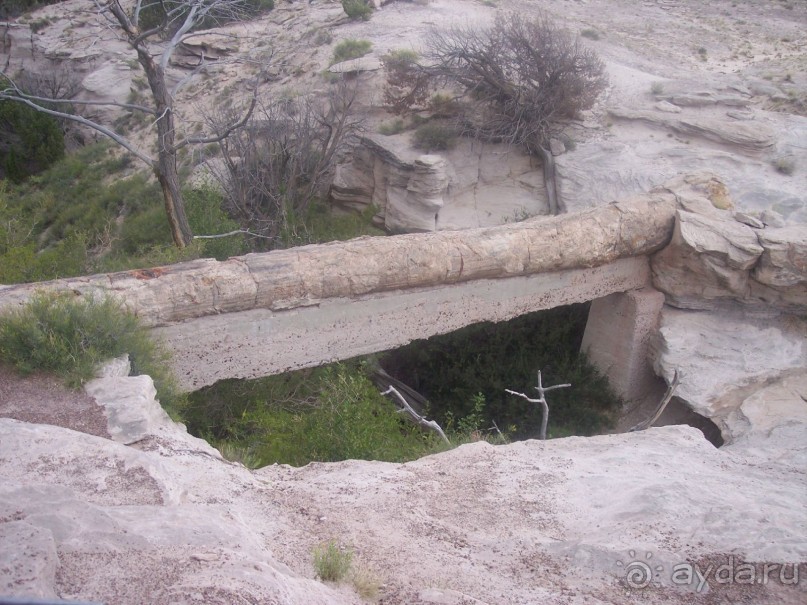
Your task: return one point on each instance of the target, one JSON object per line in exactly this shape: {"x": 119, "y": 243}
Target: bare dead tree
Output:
{"x": 542, "y": 390}
{"x": 154, "y": 42}
{"x": 60, "y": 84}
{"x": 522, "y": 78}
{"x": 283, "y": 159}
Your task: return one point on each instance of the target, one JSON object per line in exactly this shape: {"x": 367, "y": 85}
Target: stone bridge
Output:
{"x": 263, "y": 314}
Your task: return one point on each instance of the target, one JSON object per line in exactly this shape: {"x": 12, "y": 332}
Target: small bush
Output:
{"x": 407, "y": 84}
{"x": 435, "y": 136}
{"x": 14, "y": 8}
{"x": 357, "y": 9}
{"x": 323, "y": 414}
{"x": 397, "y": 126}
{"x": 30, "y": 141}
{"x": 568, "y": 142}
{"x": 442, "y": 105}
{"x": 332, "y": 562}
{"x": 350, "y": 49}
{"x": 322, "y": 37}
{"x": 71, "y": 337}
{"x": 785, "y": 165}
{"x": 591, "y": 34}
{"x": 206, "y": 217}
{"x": 237, "y": 453}
{"x": 365, "y": 583}
{"x": 38, "y": 25}
{"x": 657, "y": 88}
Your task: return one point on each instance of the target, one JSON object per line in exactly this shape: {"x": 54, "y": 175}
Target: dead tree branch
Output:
{"x": 542, "y": 390}
{"x": 660, "y": 409}
{"x": 420, "y": 420}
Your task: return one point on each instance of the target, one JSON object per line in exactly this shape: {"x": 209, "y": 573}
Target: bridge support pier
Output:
{"x": 617, "y": 338}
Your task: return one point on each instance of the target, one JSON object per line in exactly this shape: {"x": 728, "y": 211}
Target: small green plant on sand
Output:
{"x": 350, "y": 48}
{"x": 357, "y": 9}
{"x": 332, "y": 562}
{"x": 785, "y": 165}
{"x": 396, "y": 126}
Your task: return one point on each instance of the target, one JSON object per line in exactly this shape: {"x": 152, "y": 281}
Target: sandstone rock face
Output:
{"x": 735, "y": 296}
{"x": 770, "y": 418}
{"x": 715, "y": 260}
{"x": 557, "y": 522}
{"x": 128, "y": 402}
{"x": 749, "y": 137}
{"x": 475, "y": 184}
{"x": 160, "y": 518}
{"x": 725, "y": 356}
{"x": 417, "y": 209}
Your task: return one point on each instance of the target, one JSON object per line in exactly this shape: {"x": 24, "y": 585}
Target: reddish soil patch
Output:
{"x": 44, "y": 399}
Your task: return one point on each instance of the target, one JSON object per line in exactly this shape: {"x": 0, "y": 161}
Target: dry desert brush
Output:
{"x": 282, "y": 161}
{"x": 525, "y": 74}
{"x": 520, "y": 80}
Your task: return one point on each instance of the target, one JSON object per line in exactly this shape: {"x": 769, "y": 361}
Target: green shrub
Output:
{"x": 70, "y": 337}
{"x": 332, "y": 562}
{"x": 435, "y": 136}
{"x": 206, "y": 217}
{"x": 323, "y": 414}
{"x": 785, "y": 165}
{"x": 357, "y": 9}
{"x": 14, "y": 8}
{"x": 350, "y": 49}
{"x": 402, "y": 55}
{"x": 153, "y": 13}
{"x": 30, "y": 141}
{"x": 395, "y": 127}
{"x": 452, "y": 371}
{"x": 319, "y": 225}
{"x": 591, "y": 34}
{"x": 143, "y": 231}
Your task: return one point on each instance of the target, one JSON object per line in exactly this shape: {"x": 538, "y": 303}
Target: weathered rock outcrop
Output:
{"x": 714, "y": 259}
{"x": 474, "y": 185}
{"x": 87, "y": 518}
{"x": 735, "y": 295}
{"x": 557, "y": 522}
{"x": 750, "y": 138}
{"x": 725, "y": 356}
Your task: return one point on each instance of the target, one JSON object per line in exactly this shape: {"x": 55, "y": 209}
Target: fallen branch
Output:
{"x": 229, "y": 233}
{"x": 660, "y": 410}
{"x": 420, "y": 420}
